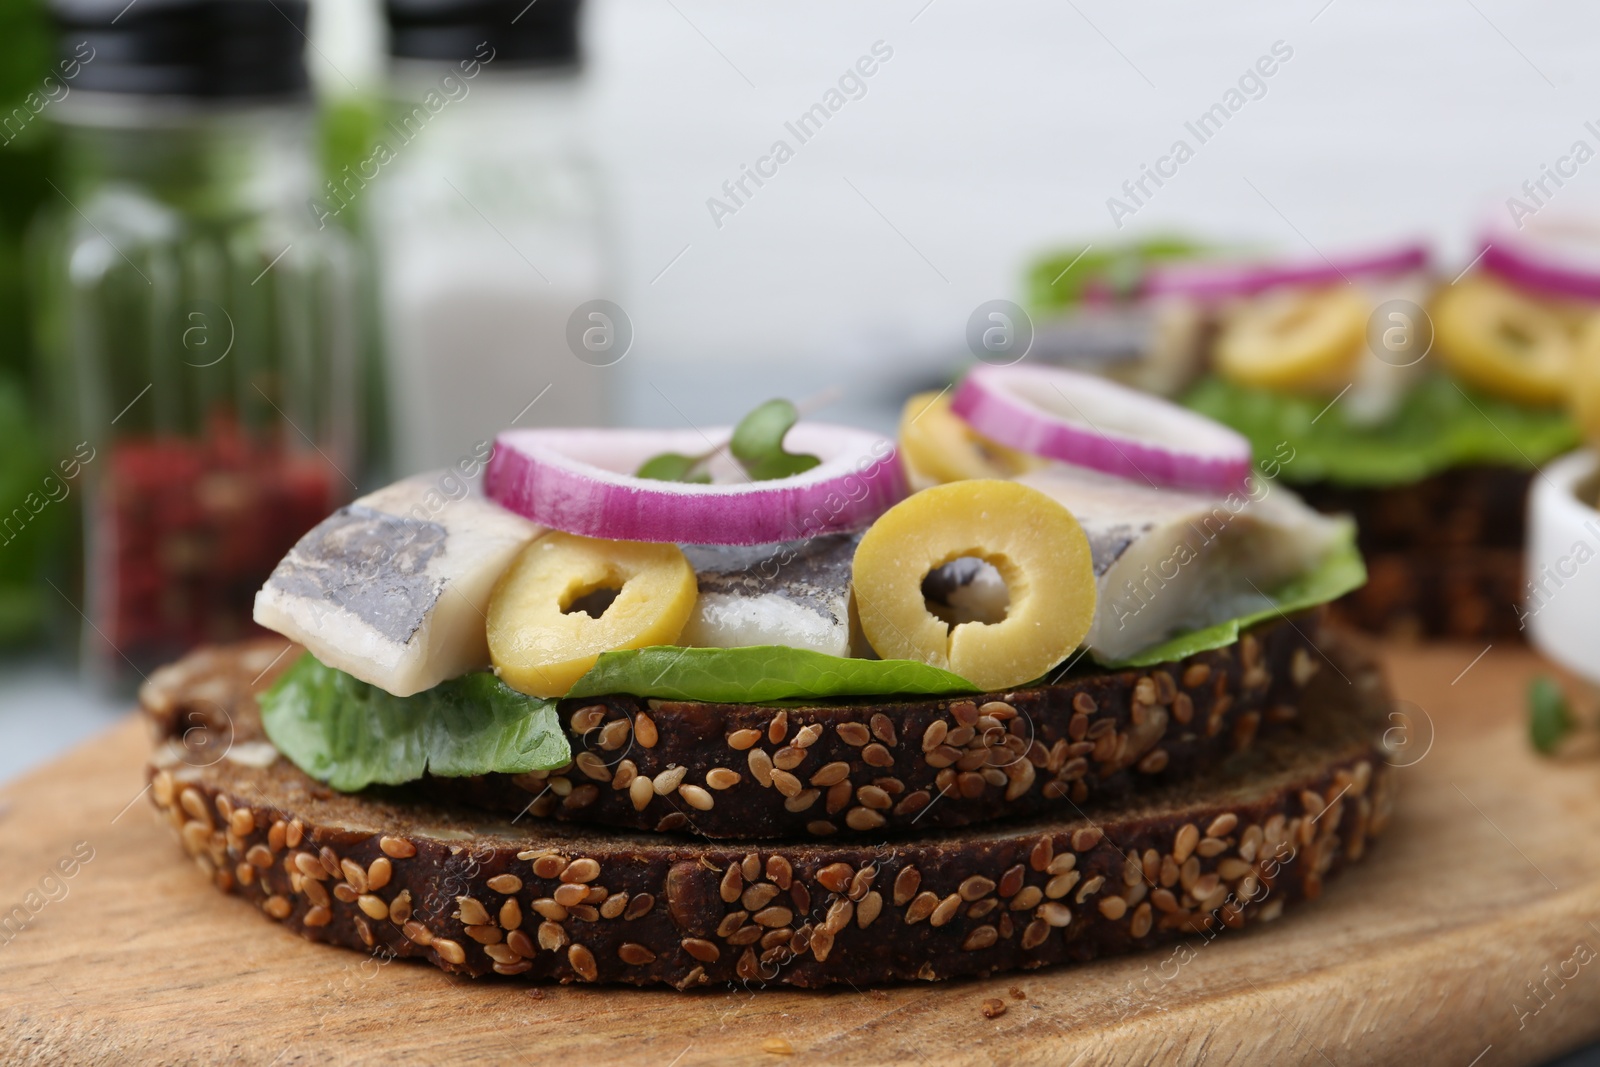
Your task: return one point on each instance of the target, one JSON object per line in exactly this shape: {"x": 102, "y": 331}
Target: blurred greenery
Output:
{"x": 347, "y": 132}
{"x": 1549, "y": 717}
{"x": 27, "y": 523}
{"x": 1440, "y": 424}
{"x": 27, "y": 153}
{"x": 1058, "y": 281}
{"x": 27, "y": 150}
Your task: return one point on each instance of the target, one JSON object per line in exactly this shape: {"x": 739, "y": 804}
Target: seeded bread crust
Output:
{"x": 756, "y": 771}
{"x": 389, "y": 874}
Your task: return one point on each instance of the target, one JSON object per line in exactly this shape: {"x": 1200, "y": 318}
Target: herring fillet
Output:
{"x": 1167, "y": 562}
{"x": 792, "y": 593}
{"x": 392, "y": 588}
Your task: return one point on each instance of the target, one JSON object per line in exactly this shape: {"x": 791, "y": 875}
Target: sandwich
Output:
{"x": 794, "y": 703}
{"x": 1420, "y": 405}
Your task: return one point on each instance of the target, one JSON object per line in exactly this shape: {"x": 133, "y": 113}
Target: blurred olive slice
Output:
{"x": 938, "y": 447}
{"x": 1503, "y": 342}
{"x": 1294, "y": 339}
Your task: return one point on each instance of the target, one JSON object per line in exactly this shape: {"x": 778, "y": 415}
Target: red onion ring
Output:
{"x": 1561, "y": 260}
{"x": 1214, "y": 280}
{"x": 1093, "y": 422}
{"x": 581, "y": 481}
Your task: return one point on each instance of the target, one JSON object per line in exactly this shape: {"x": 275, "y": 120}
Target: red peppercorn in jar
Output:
{"x": 184, "y": 531}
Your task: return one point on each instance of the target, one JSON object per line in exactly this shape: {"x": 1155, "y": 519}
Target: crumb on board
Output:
{"x": 777, "y": 1046}
{"x": 993, "y": 1008}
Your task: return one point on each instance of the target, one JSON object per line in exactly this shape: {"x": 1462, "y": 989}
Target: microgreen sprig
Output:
{"x": 757, "y": 445}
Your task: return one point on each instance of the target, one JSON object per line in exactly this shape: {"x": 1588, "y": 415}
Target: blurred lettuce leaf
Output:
{"x": 1058, "y": 280}
{"x": 1440, "y": 424}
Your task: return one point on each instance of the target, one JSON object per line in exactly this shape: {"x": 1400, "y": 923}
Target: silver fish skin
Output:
{"x": 393, "y": 588}
{"x": 791, "y": 593}
{"x": 1167, "y": 562}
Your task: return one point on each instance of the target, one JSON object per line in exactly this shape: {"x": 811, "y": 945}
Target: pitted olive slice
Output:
{"x": 1034, "y": 543}
{"x": 566, "y": 599}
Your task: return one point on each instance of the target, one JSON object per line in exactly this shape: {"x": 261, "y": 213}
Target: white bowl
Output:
{"x": 1561, "y": 603}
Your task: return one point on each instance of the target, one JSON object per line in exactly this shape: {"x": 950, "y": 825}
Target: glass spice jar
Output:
{"x": 489, "y": 215}
{"x": 199, "y": 333}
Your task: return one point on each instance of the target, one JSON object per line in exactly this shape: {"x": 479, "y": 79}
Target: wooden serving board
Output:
{"x": 1488, "y": 880}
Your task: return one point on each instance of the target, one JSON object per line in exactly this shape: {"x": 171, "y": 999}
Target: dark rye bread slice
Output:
{"x": 477, "y": 895}
{"x": 869, "y": 767}
{"x": 1444, "y": 554}
{"x": 1461, "y": 593}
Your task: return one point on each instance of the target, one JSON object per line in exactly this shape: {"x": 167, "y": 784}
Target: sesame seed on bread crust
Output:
{"x": 479, "y": 893}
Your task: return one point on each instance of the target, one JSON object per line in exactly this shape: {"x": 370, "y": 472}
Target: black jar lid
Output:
{"x": 521, "y": 32}
{"x": 191, "y": 48}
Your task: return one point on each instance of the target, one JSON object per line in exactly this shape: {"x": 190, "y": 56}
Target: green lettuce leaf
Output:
{"x": 759, "y": 674}
{"x": 1440, "y": 424}
{"x": 1339, "y": 572}
{"x": 347, "y": 733}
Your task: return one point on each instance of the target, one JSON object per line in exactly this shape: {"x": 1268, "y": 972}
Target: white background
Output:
{"x": 1000, "y": 129}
